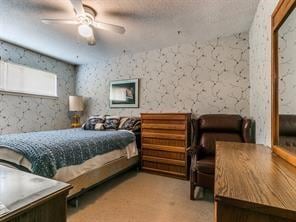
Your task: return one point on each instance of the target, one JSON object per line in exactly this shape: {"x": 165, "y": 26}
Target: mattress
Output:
{"x": 69, "y": 173}
{"x": 49, "y": 151}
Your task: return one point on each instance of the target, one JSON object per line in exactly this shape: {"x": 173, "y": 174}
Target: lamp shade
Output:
{"x": 76, "y": 103}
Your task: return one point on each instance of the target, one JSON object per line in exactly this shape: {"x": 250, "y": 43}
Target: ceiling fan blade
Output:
{"x": 91, "y": 40}
{"x": 109, "y": 27}
{"x": 78, "y": 7}
{"x": 60, "y": 21}
{"x": 40, "y": 6}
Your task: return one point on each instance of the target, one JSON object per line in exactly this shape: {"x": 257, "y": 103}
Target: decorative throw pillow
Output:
{"x": 94, "y": 123}
{"x": 122, "y": 121}
{"x": 111, "y": 122}
{"x": 99, "y": 126}
{"x": 130, "y": 123}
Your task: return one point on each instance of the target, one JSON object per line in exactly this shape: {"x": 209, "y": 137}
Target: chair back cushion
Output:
{"x": 218, "y": 127}
{"x": 220, "y": 123}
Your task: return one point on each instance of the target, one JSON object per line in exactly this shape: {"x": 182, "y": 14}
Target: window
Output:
{"x": 21, "y": 79}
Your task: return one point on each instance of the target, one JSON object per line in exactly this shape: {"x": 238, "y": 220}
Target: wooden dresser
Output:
{"x": 25, "y": 197}
{"x": 253, "y": 184}
{"x": 165, "y": 139}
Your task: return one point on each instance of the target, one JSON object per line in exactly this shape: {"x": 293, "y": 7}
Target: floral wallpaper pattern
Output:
{"x": 260, "y": 70}
{"x": 26, "y": 113}
{"x": 200, "y": 78}
{"x": 287, "y": 66}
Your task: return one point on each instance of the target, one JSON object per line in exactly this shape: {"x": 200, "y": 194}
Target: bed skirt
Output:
{"x": 101, "y": 174}
{"x": 96, "y": 176}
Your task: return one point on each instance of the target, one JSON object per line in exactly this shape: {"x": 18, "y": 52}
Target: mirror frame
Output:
{"x": 279, "y": 16}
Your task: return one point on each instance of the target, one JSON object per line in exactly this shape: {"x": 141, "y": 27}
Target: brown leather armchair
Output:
{"x": 206, "y": 131}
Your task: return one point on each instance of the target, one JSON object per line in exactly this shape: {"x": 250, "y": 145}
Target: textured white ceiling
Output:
{"x": 149, "y": 24}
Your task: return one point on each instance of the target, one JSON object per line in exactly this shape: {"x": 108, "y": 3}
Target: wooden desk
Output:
{"x": 252, "y": 184}
{"x": 30, "y": 198}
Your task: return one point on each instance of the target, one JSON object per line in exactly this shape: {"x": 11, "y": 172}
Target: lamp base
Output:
{"x": 75, "y": 121}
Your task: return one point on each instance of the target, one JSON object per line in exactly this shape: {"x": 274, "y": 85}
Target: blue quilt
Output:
{"x": 50, "y": 150}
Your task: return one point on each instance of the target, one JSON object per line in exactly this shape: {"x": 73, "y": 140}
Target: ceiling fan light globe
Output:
{"x": 85, "y": 30}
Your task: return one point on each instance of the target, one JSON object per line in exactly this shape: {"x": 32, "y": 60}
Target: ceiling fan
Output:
{"x": 85, "y": 18}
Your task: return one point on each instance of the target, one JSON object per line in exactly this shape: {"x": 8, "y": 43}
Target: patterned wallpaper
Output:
{"x": 201, "y": 78}
{"x": 287, "y": 65}
{"x": 25, "y": 113}
{"x": 260, "y": 70}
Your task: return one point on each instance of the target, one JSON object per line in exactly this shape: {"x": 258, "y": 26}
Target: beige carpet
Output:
{"x": 141, "y": 197}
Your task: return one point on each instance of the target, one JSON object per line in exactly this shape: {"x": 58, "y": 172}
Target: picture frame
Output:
{"x": 124, "y": 93}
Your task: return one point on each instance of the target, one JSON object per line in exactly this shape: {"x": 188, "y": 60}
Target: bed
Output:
{"x": 82, "y": 158}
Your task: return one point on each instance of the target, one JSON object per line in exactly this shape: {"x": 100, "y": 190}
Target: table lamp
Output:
{"x": 75, "y": 106}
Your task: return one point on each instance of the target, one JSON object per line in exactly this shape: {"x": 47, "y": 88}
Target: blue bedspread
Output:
{"x": 50, "y": 150}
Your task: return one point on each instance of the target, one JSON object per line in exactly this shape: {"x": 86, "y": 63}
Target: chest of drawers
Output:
{"x": 165, "y": 139}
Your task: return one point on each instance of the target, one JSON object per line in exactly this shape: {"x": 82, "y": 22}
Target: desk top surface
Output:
{"x": 19, "y": 190}
{"x": 251, "y": 175}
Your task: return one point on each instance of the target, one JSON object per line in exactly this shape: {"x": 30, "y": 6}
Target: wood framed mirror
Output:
{"x": 283, "y": 101}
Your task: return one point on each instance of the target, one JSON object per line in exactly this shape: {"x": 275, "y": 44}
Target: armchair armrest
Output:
{"x": 192, "y": 150}
{"x": 246, "y": 130}
{"x": 195, "y": 152}
{"x": 193, "y": 132}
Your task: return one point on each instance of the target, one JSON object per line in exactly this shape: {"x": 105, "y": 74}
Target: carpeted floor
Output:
{"x": 142, "y": 197}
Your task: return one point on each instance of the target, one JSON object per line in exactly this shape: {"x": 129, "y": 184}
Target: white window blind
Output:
{"x": 21, "y": 79}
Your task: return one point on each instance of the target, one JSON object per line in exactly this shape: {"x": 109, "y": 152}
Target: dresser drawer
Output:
{"x": 168, "y": 136}
{"x": 163, "y": 121}
{"x": 164, "y": 154}
{"x": 164, "y": 131}
{"x": 168, "y": 161}
{"x": 175, "y": 149}
{"x": 164, "y": 126}
{"x": 164, "y": 168}
{"x": 165, "y": 142}
{"x": 163, "y": 117}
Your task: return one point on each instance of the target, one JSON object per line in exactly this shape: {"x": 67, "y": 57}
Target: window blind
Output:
{"x": 16, "y": 78}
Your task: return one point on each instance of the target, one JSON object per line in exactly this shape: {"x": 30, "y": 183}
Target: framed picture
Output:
{"x": 124, "y": 93}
